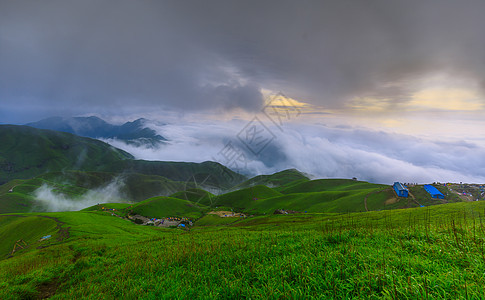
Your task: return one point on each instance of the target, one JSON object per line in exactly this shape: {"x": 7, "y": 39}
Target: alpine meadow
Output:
{"x": 242, "y": 149}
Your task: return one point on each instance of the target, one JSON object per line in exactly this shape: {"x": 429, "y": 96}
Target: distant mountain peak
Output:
{"x": 134, "y": 132}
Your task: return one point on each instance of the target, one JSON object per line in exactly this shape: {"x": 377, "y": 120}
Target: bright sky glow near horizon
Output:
{"x": 377, "y": 72}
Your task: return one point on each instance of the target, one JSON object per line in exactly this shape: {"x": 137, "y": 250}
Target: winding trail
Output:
{"x": 63, "y": 232}
{"x": 414, "y": 198}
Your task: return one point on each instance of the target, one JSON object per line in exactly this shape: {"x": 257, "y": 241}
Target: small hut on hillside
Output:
{"x": 401, "y": 189}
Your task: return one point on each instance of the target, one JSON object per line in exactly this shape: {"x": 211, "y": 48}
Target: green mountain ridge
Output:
{"x": 275, "y": 180}
{"x": 26, "y": 152}
{"x": 288, "y": 190}
{"x": 131, "y": 132}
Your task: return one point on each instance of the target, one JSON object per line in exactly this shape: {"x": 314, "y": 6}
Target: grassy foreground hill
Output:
{"x": 419, "y": 253}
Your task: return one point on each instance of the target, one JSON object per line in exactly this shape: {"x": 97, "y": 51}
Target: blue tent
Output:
{"x": 433, "y": 191}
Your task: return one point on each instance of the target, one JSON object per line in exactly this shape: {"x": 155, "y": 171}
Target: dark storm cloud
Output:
{"x": 86, "y": 56}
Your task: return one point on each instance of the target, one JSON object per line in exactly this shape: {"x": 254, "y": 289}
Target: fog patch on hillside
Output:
{"x": 53, "y": 201}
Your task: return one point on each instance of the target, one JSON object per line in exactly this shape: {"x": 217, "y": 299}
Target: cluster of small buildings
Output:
{"x": 402, "y": 191}
{"x": 164, "y": 222}
{"x": 170, "y": 221}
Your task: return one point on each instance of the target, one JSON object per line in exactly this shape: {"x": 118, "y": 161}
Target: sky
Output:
{"x": 400, "y": 84}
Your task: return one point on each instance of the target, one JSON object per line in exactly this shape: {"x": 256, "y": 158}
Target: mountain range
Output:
{"x": 26, "y": 152}
{"x": 135, "y": 132}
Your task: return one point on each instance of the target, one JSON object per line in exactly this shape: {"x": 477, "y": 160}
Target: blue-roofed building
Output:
{"x": 433, "y": 191}
{"x": 401, "y": 189}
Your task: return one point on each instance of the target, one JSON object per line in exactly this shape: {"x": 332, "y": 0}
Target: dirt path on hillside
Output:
{"x": 414, "y": 199}
{"x": 371, "y": 193}
{"x": 63, "y": 233}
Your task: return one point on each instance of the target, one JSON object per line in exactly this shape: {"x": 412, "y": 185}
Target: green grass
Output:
{"x": 215, "y": 220}
{"x": 117, "y": 206}
{"x": 26, "y": 152}
{"x": 15, "y": 202}
{"x": 321, "y": 185}
{"x": 330, "y": 201}
{"x": 195, "y": 195}
{"x": 243, "y": 198}
{"x": 424, "y": 198}
{"x": 434, "y": 252}
{"x": 29, "y": 229}
{"x": 324, "y": 195}
{"x": 275, "y": 180}
{"x": 378, "y": 200}
{"x": 210, "y": 173}
{"x": 73, "y": 184}
{"x": 161, "y": 207}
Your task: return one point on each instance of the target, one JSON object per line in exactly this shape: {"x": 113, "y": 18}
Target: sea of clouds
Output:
{"x": 324, "y": 151}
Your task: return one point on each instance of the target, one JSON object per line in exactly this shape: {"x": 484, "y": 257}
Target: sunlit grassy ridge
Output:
{"x": 432, "y": 252}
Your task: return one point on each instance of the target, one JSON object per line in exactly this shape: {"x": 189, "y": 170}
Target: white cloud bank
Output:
{"x": 323, "y": 151}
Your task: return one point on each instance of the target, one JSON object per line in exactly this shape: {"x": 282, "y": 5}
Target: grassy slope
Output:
{"x": 211, "y": 173}
{"x": 195, "y": 195}
{"x": 242, "y": 199}
{"x": 432, "y": 252}
{"x": 160, "y": 207}
{"x": 331, "y": 201}
{"x": 325, "y": 195}
{"x": 214, "y": 220}
{"x": 30, "y": 229}
{"x": 26, "y": 152}
{"x": 117, "y": 206}
{"x": 321, "y": 185}
{"x": 424, "y": 198}
{"x": 274, "y": 180}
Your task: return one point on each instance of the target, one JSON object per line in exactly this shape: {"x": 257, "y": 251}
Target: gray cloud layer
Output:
{"x": 68, "y": 57}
